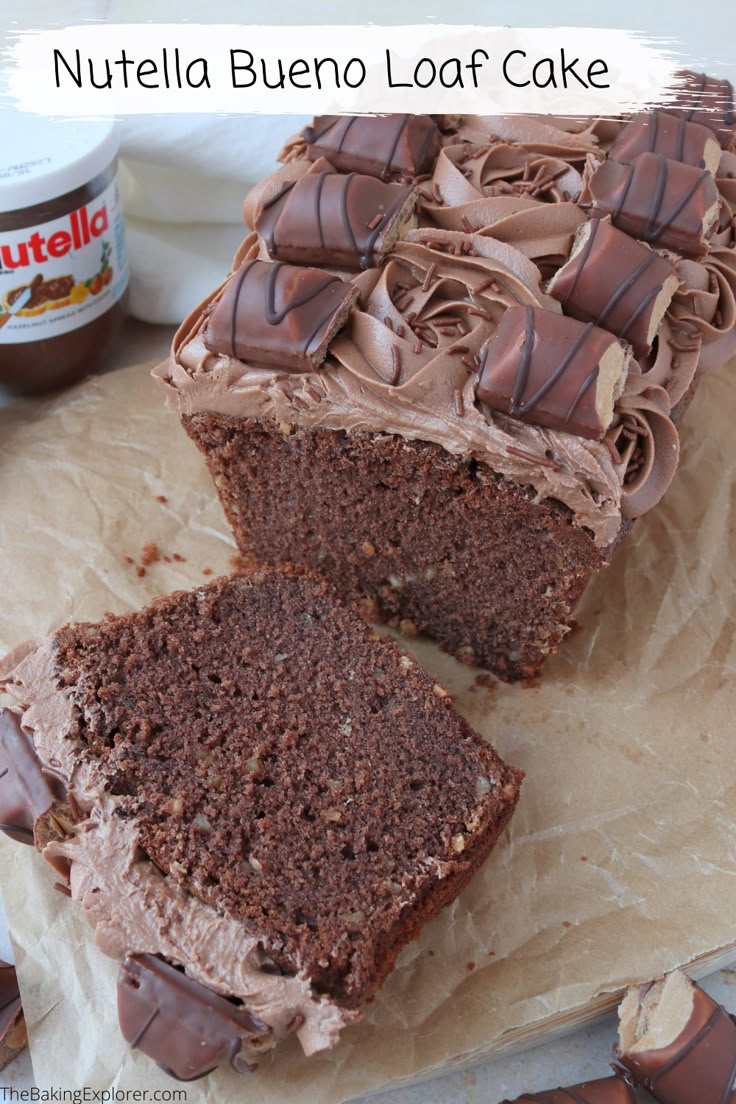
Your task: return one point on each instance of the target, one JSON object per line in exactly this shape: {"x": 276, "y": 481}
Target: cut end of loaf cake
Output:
{"x": 430, "y": 543}
{"x": 284, "y": 767}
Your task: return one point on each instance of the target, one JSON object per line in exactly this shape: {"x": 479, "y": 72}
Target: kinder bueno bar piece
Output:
{"x": 63, "y": 270}
{"x": 663, "y": 202}
{"x": 385, "y": 146}
{"x": 669, "y": 136}
{"x": 608, "y": 1090}
{"x": 278, "y": 315}
{"x": 28, "y": 790}
{"x": 13, "y": 1036}
{"x": 553, "y": 371}
{"x": 707, "y": 101}
{"x": 186, "y": 1028}
{"x": 677, "y": 1043}
{"x": 329, "y": 219}
{"x": 616, "y": 282}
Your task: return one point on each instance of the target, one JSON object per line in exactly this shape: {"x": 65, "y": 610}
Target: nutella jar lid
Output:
{"x": 42, "y": 158}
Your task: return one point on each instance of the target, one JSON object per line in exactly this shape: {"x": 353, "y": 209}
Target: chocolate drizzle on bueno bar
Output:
{"x": 186, "y": 1028}
{"x": 616, "y": 282}
{"x": 667, "y": 136}
{"x": 331, "y": 219}
{"x": 279, "y": 315}
{"x": 707, "y": 101}
{"x": 660, "y": 201}
{"x": 385, "y": 146}
{"x": 553, "y": 371}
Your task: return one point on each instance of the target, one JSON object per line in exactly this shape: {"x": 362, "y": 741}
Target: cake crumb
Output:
{"x": 129, "y": 559}
{"x": 486, "y": 681}
{"x": 162, "y": 499}
{"x": 206, "y": 570}
{"x": 150, "y": 554}
{"x": 140, "y": 571}
{"x": 471, "y": 966}
{"x": 177, "y": 558}
{"x": 566, "y": 924}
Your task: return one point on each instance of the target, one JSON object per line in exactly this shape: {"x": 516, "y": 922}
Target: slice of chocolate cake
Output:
{"x": 262, "y": 803}
{"x": 502, "y": 401}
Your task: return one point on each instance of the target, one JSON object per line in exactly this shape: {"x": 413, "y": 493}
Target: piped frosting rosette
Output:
{"x": 429, "y": 302}
{"x": 555, "y": 138}
{"x": 644, "y": 444}
{"x": 515, "y": 196}
{"x": 673, "y": 361}
{"x": 465, "y": 172}
{"x": 705, "y": 305}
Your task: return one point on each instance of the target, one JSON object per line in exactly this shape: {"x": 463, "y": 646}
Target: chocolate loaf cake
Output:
{"x": 257, "y": 802}
{"x": 502, "y": 401}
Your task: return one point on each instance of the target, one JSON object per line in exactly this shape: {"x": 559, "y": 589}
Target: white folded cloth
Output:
{"x": 184, "y": 179}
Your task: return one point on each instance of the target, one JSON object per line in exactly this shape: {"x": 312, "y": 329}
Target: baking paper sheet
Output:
{"x": 621, "y": 860}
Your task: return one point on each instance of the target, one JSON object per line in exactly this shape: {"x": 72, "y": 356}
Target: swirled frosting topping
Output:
{"x": 498, "y": 214}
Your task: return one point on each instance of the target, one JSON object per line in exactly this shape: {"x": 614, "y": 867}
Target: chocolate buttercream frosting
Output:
{"x": 673, "y": 361}
{"x": 704, "y": 306}
{"x": 645, "y": 444}
{"x": 536, "y": 133}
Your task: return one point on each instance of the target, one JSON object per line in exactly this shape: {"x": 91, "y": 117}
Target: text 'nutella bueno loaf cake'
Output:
{"x": 448, "y": 366}
{"x": 257, "y": 802}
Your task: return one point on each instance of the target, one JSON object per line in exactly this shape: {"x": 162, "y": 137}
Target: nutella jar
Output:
{"x": 63, "y": 266}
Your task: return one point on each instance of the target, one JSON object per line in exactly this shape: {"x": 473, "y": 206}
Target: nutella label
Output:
{"x": 60, "y": 275}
